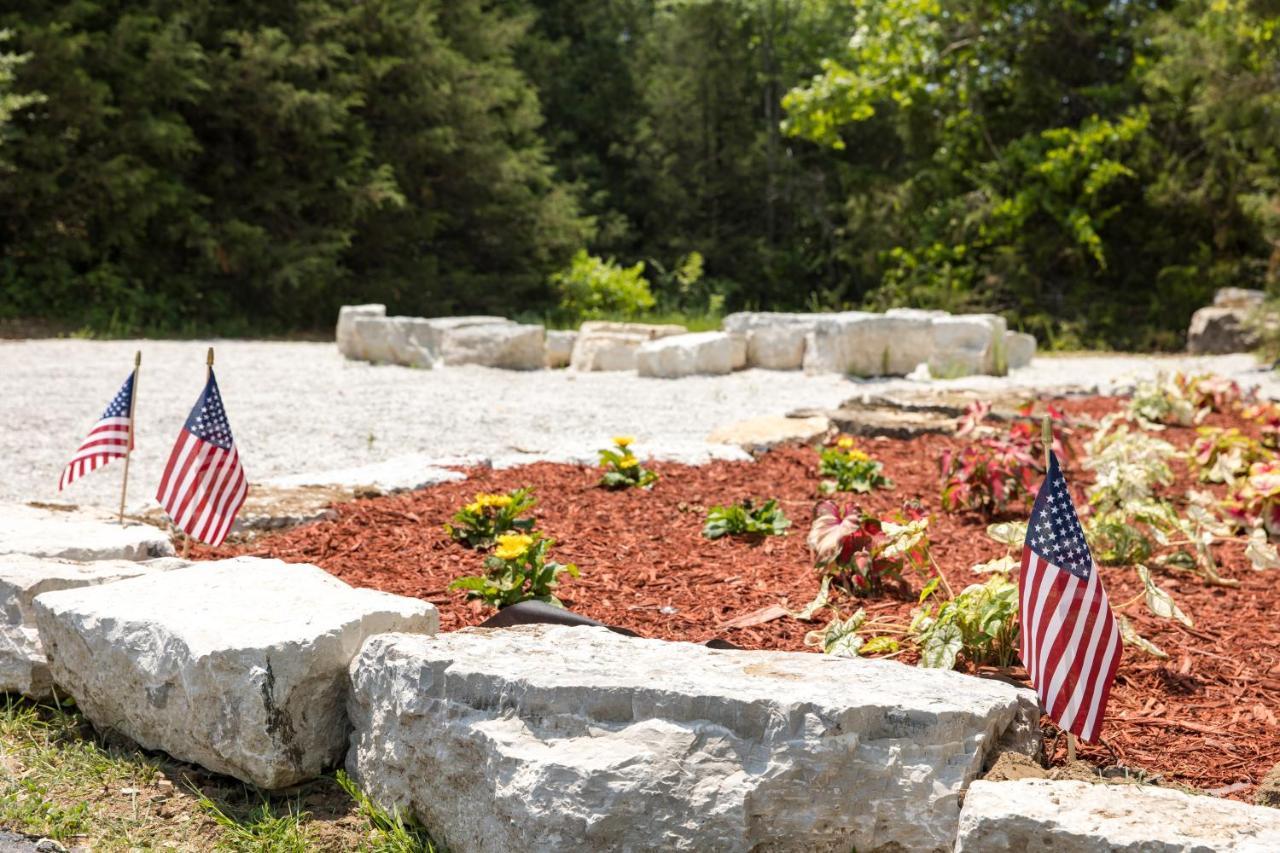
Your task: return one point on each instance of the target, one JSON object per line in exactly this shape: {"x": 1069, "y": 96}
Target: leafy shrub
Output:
{"x": 1164, "y": 400}
{"x": 1267, "y": 416}
{"x": 1223, "y": 455}
{"x": 744, "y": 519}
{"x": 591, "y": 287}
{"x": 1212, "y": 392}
{"x": 518, "y": 570}
{"x": 622, "y": 469}
{"x": 850, "y": 469}
{"x": 859, "y": 552}
{"x": 840, "y": 638}
{"x": 980, "y": 624}
{"x": 990, "y": 474}
{"x": 1128, "y": 465}
{"x": 482, "y": 521}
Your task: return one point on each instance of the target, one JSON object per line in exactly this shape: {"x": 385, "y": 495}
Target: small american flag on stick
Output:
{"x": 1069, "y": 639}
{"x": 203, "y": 486}
{"x": 110, "y": 438}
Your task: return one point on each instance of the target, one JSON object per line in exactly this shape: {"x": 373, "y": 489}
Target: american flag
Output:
{"x": 110, "y": 437}
{"x": 203, "y": 486}
{"x": 1069, "y": 639}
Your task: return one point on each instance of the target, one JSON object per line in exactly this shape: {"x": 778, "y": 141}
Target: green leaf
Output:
{"x": 1010, "y": 533}
{"x": 879, "y": 645}
{"x": 942, "y": 647}
{"x": 806, "y": 613}
{"x": 1160, "y": 602}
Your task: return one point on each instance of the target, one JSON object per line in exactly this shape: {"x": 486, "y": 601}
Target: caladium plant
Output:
{"x": 859, "y": 551}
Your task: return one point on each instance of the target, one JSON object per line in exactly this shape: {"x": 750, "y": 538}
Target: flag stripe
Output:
{"x": 108, "y": 439}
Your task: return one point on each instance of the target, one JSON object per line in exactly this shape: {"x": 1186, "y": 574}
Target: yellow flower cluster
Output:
{"x": 512, "y": 546}
{"x": 628, "y": 462}
{"x": 623, "y": 441}
{"x": 483, "y": 502}
{"x": 845, "y": 443}
{"x": 858, "y": 456}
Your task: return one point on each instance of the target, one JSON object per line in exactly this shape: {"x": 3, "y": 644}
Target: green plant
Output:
{"x": 262, "y": 829}
{"x": 591, "y": 287}
{"x": 622, "y": 469}
{"x": 992, "y": 473}
{"x": 840, "y": 638}
{"x": 850, "y": 469}
{"x": 1164, "y": 400}
{"x": 1224, "y": 455}
{"x": 482, "y": 521}
{"x": 518, "y": 570}
{"x": 858, "y": 552}
{"x": 980, "y": 624}
{"x": 391, "y": 831}
{"x": 745, "y": 519}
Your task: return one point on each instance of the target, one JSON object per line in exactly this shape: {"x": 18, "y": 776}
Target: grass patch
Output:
{"x": 59, "y": 779}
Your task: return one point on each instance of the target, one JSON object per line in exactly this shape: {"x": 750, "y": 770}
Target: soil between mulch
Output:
{"x": 1207, "y": 717}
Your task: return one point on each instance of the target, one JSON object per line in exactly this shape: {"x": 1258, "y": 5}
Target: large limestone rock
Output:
{"x": 775, "y": 340}
{"x": 968, "y": 344}
{"x": 239, "y": 666}
{"x": 348, "y": 342}
{"x": 865, "y": 344}
{"x": 1019, "y": 349}
{"x": 701, "y": 353}
{"x": 513, "y": 346}
{"x": 756, "y": 435}
{"x": 384, "y": 340}
{"x": 559, "y": 348}
{"x": 73, "y": 533}
{"x": 578, "y": 739}
{"x": 23, "y": 666}
{"x": 612, "y": 346}
{"x": 1218, "y": 330}
{"x": 1042, "y": 816}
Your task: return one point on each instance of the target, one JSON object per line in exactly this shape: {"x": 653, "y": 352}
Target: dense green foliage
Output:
{"x": 1093, "y": 169}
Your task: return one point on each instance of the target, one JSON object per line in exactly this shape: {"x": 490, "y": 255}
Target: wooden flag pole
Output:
{"x": 208, "y": 360}
{"x": 133, "y": 428}
{"x": 1046, "y": 435}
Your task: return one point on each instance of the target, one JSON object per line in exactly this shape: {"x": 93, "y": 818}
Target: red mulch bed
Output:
{"x": 1205, "y": 718}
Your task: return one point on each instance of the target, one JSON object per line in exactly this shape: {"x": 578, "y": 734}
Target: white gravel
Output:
{"x": 300, "y": 407}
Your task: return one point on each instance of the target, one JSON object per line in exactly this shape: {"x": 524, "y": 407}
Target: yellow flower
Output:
{"x": 623, "y": 441}
{"x": 858, "y": 456}
{"x": 475, "y": 507}
{"x": 844, "y": 443}
{"x": 628, "y": 462}
{"x": 512, "y": 546}
{"x": 498, "y": 501}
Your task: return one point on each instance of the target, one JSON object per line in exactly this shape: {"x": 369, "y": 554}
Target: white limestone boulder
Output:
{"x": 380, "y": 340}
{"x": 968, "y": 344}
{"x": 75, "y": 533}
{"x": 1019, "y": 349}
{"x": 604, "y": 345}
{"x": 508, "y": 345}
{"x": 239, "y": 666}
{"x": 578, "y": 739}
{"x": 559, "y": 348}
{"x": 23, "y": 666}
{"x": 345, "y": 334}
{"x": 775, "y": 340}
{"x": 398, "y": 474}
{"x": 759, "y": 434}
{"x": 863, "y": 344}
{"x": 918, "y": 313}
{"x": 697, "y": 354}
{"x": 1039, "y": 816}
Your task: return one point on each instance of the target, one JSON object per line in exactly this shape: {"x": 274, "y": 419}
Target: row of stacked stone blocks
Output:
{"x": 855, "y": 342}
{"x": 551, "y": 737}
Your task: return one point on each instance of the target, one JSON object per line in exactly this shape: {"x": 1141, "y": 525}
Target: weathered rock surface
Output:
{"x": 612, "y": 743}
{"x": 1268, "y": 793}
{"x": 512, "y": 346}
{"x": 559, "y": 348}
{"x": 612, "y": 346}
{"x": 348, "y": 341}
{"x": 1239, "y": 297}
{"x": 1216, "y": 330}
{"x": 701, "y": 353}
{"x": 1042, "y": 816}
{"x": 968, "y": 344}
{"x": 775, "y": 340}
{"x": 74, "y": 533}
{"x": 1019, "y": 349}
{"x": 23, "y": 666}
{"x": 870, "y": 421}
{"x": 865, "y": 344}
{"x": 759, "y": 434}
{"x": 398, "y": 474}
{"x": 239, "y": 666}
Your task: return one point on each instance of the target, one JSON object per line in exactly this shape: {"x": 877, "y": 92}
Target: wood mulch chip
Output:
{"x": 1207, "y": 717}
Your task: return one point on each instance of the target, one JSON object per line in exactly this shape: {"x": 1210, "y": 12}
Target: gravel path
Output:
{"x": 300, "y": 407}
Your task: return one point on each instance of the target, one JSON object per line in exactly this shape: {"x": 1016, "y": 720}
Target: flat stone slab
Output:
{"x": 401, "y": 474}
{"x": 578, "y": 739}
{"x": 23, "y": 666}
{"x": 239, "y": 666}
{"x": 1080, "y": 817}
{"x": 74, "y": 533}
{"x": 893, "y": 422}
{"x": 759, "y": 434}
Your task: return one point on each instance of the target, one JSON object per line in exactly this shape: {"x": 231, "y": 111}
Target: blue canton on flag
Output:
{"x": 110, "y": 438}
{"x": 1054, "y": 531}
{"x": 119, "y": 407}
{"x": 208, "y": 420}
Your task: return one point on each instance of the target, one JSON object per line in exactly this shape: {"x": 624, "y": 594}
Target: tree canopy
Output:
{"x": 1093, "y": 169}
